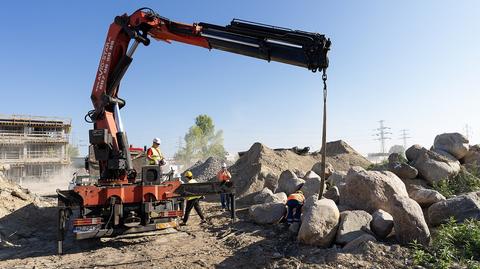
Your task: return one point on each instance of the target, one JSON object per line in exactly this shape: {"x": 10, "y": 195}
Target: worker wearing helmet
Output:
{"x": 154, "y": 154}
{"x": 294, "y": 204}
{"x": 192, "y": 201}
{"x": 224, "y": 176}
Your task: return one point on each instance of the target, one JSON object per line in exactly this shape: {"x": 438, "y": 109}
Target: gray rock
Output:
{"x": 402, "y": 170}
{"x": 444, "y": 154}
{"x": 289, "y": 182}
{"x": 382, "y": 223}
{"x": 271, "y": 182}
{"x": 357, "y": 242}
{"x": 319, "y": 224}
{"x": 279, "y": 197}
{"x": 333, "y": 194}
{"x": 262, "y": 195}
{"x": 423, "y": 196}
{"x": 353, "y": 224}
{"x": 267, "y": 213}
{"x": 454, "y": 143}
{"x": 472, "y": 158}
{"x": 317, "y": 168}
{"x": 338, "y": 177}
{"x": 312, "y": 184}
{"x": 460, "y": 207}
{"x": 372, "y": 190}
{"x": 432, "y": 166}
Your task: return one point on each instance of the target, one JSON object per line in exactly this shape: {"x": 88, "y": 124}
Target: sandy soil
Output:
{"x": 216, "y": 244}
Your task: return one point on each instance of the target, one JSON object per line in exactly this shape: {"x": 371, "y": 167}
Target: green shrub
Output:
{"x": 464, "y": 182}
{"x": 454, "y": 243}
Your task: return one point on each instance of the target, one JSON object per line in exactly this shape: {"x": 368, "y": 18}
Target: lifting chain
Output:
{"x": 324, "y": 134}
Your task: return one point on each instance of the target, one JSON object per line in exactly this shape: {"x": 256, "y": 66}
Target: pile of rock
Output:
{"x": 207, "y": 170}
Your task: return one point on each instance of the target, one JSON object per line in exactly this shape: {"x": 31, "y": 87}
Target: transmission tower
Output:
{"x": 467, "y": 131}
{"x": 382, "y": 133}
{"x": 404, "y": 136}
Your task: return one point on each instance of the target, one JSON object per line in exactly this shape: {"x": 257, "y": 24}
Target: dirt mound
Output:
{"x": 256, "y": 167}
{"x": 19, "y": 209}
{"x": 206, "y": 171}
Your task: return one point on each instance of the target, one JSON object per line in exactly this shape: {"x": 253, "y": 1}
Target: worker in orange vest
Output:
{"x": 224, "y": 176}
{"x": 295, "y": 203}
{"x": 154, "y": 154}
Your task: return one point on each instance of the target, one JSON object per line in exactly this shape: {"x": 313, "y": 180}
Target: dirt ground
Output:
{"x": 216, "y": 244}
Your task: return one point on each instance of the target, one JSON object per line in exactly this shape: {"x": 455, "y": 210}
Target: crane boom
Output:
{"x": 266, "y": 42}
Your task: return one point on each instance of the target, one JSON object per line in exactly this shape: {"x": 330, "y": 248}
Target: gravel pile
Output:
{"x": 206, "y": 171}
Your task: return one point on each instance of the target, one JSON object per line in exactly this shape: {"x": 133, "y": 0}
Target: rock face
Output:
{"x": 399, "y": 167}
{"x": 454, "y": 143}
{"x": 432, "y": 166}
{"x": 382, "y": 223}
{"x": 262, "y": 196}
{"x": 460, "y": 207}
{"x": 333, "y": 194}
{"x": 423, "y": 196}
{"x": 267, "y": 213}
{"x": 317, "y": 168}
{"x": 279, "y": 197}
{"x": 472, "y": 158}
{"x": 319, "y": 223}
{"x": 311, "y": 185}
{"x": 353, "y": 224}
{"x": 372, "y": 190}
{"x": 289, "y": 182}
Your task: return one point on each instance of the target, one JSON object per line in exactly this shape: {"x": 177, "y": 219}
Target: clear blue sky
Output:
{"x": 414, "y": 64}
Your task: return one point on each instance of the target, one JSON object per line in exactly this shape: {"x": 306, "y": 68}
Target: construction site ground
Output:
{"x": 216, "y": 244}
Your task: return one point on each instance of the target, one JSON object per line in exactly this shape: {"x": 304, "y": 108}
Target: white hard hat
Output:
{"x": 224, "y": 165}
{"x": 156, "y": 140}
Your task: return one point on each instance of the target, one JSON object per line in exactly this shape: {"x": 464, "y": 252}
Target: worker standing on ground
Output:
{"x": 294, "y": 204}
{"x": 224, "y": 176}
{"x": 192, "y": 202}
{"x": 154, "y": 154}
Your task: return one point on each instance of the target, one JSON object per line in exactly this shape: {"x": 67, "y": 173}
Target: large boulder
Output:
{"x": 423, "y": 196}
{"x": 312, "y": 184}
{"x": 432, "y": 166}
{"x": 353, "y": 224}
{"x": 372, "y": 190}
{"x": 279, "y": 197}
{"x": 381, "y": 224}
{"x": 262, "y": 196}
{"x": 289, "y": 182}
{"x": 267, "y": 213}
{"x": 337, "y": 177}
{"x": 317, "y": 168}
{"x": 472, "y": 158}
{"x": 455, "y": 144}
{"x": 397, "y": 164}
{"x": 319, "y": 223}
{"x": 359, "y": 241}
{"x": 460, "y": 207}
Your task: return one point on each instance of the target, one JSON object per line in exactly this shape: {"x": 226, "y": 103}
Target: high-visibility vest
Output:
{"x": 296, "y": 196}
{"x": 224, "y": 176}
{"x": 156, "y": 156}
{"x": 196, "y": 196}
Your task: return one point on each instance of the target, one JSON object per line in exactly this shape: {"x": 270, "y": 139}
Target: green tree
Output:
{"x": 201, "y": 142}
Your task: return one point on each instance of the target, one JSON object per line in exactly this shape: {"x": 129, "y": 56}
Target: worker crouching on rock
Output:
{"x": 224, "y": 176}
{"x": 294, "y": 204}
{"x": 192, "y": 202}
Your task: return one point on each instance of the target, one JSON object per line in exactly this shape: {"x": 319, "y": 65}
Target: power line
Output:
{"x": 404, "y": 136}
{"x": 382, "y": 135}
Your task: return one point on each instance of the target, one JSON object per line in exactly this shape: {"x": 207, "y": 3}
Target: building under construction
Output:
{"x": 34, "y": 147}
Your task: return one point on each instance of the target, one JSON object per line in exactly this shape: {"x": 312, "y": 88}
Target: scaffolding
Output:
{"x": 34, "y": 147}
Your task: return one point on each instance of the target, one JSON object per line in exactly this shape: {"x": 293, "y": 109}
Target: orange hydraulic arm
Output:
{"x": 304, "y": 49}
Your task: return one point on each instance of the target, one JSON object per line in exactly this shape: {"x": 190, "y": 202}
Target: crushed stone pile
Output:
{"x": 261, "y": 166}
{"x": 206, "y": 171}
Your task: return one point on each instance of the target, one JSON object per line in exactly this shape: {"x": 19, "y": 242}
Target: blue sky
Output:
{"x": 413, "y": 64}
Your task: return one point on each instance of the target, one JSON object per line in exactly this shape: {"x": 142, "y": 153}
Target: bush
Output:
{"x": 464, "y": 182}
{"x": 453, "y": 243}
